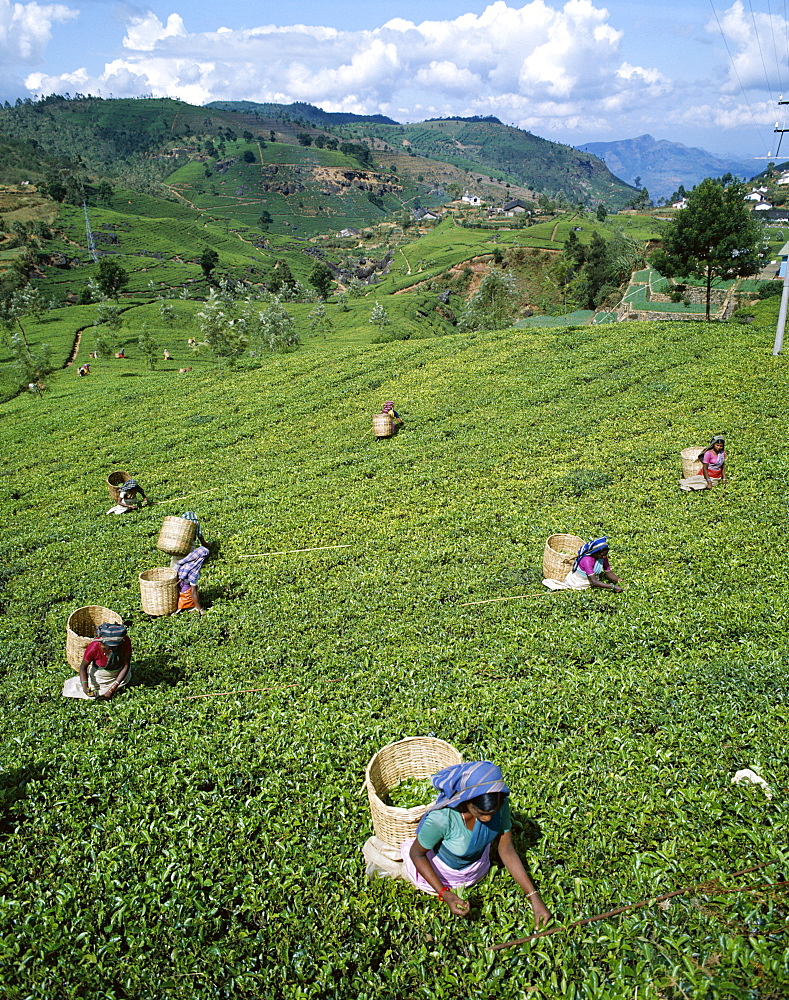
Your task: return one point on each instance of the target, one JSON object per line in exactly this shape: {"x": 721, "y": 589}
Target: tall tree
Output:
{"x": 321, "y": 278}
{"x": 111, "y": 277}
{"x": 716, "y": 237}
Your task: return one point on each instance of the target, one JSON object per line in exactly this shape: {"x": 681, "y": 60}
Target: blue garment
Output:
{"x": 445, "y": 832}
{"x": 590, "y": 549}
{"x": 189, "y": 567}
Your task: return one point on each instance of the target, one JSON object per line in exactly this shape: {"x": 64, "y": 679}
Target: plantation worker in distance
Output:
{"x": 590, "y": 566}
{"x": 130, "y": 497}
{"x": 188, "y": 570}
{"x": 713, "y": 467}
{"x": 105, "y": 667}
{"x": 397, "y": 420}
{"x": 452, "y": 844}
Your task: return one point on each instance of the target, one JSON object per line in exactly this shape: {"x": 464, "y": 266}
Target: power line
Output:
{"x": 736, "y": 74}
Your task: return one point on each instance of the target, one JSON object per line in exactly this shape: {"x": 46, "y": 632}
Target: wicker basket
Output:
{"x": 114, "y": 480}
{"x": 176, "y": 536}
{"x": 691, "y": 466}
{"x": 81, "y": 630}
{"x": 413, "y": 757}
{"x": 556, "y": 566}
{"x": 383, "y": 425}
{"x": 159, "y": 591}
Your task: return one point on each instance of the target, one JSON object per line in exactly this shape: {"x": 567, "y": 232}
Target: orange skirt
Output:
{"x": 185, "y": 600}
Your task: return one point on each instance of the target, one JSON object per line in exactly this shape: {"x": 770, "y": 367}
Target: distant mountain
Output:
{"x": 299, "y": 111}
{"x": 662, "y": 165}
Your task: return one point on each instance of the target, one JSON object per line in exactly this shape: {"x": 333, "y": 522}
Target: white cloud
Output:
{"x": 144, "y": 33}
{"x": 756, "y": 50}
{"x": 25, "y": 31}
{"x": 501, "y": 61}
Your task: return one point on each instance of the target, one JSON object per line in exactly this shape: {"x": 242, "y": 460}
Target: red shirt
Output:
{"x": 96, "y": 655}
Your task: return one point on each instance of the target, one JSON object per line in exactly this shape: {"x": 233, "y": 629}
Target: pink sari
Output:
{"x": 452, "y": 878}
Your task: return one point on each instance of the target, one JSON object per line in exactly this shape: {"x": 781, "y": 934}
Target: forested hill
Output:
{"x": 140, "y": 142}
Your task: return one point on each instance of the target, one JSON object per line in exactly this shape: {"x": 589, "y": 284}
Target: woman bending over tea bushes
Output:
{"x": 591, "y": 568}
{"x": 188, "y": 570}
{"x": 452, "y": 844}
{"x": 105, "y": 667}
{"x": 388, "y": 408}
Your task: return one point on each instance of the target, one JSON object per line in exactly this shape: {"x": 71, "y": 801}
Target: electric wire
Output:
{"x": 761, "y": 53}
{"x": 737, "y": 75}
{"x": 775, "y": 46}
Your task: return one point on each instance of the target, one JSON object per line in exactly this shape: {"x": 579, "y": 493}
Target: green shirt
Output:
{"x": 445, "y": 832}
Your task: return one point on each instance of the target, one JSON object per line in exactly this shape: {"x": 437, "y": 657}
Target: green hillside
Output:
{"x": 140, "y": 142}
{"x": 175, "y": 847}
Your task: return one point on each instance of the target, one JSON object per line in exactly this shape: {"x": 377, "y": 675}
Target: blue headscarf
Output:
{"x": 113, "y": 637}
{"x": 462, "y": 782}
{"x": 590, "y": 549}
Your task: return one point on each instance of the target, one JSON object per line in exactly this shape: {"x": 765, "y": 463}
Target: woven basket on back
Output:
{"x": 114, "y": 480}
{"x": 176, "y": 536}
{"x": 383, "y": 425}
{"x": 691, "y": 466}
{"x": 414, "y": 757}
{"x": 159, "y": 591}
{"x": 555, "y": 565}
{"x": 81, "y": 630}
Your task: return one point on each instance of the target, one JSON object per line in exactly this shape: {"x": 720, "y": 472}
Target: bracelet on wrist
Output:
{"x": 534, "y": 893}
{"x": 444, "y": 889}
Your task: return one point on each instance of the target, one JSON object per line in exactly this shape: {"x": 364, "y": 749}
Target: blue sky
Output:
{"x": 705, "y": 74}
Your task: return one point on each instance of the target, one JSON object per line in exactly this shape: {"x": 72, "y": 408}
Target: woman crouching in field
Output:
{"x": 591, "y": 565}
{"x": 105, "y": 667}
{"x": 453, "y": 840}
{"x": 713, "y": 467}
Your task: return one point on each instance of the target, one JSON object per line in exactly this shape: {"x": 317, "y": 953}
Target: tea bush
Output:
{"x": 164, "y": 845}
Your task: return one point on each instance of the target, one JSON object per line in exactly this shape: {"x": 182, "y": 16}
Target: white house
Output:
{"x": 753, "y": 196}
{"x": 763, "y": 206}
{"x": 471, "y": 199}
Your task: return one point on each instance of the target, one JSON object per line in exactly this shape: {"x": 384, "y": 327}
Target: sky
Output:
{"x": 705, "y": 74}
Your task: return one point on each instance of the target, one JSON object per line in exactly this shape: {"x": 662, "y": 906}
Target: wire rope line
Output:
{"x": 775, "y": 46}
{"x": 761, "y": 53}
{"x": 736, "y": 74}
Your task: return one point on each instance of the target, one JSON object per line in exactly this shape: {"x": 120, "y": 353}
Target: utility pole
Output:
{"x": 779, "y": 330}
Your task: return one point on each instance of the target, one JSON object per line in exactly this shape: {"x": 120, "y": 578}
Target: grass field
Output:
{"x": 160, "y": 847}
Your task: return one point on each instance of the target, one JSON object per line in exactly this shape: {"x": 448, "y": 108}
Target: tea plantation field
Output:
{"x": 167, "y": 846}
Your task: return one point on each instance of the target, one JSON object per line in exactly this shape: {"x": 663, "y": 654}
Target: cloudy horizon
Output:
{"x": 575, "y": 72}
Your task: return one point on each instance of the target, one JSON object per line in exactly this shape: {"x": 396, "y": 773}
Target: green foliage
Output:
{"x": 159, "y": 846}
{"x": 148, "y": 347}
{"x": 208, "y": 260}
{"x": 111, "y": 277}
{"x": 321, "y": 278}
{"x": 715, "y": 237}
{"x": 493, "y": 304}
{"x": 277, "y": 331}
{"x": 379, "y": 316}
{"x": 221, "y": 330}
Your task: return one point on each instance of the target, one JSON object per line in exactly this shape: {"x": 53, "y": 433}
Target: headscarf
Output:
{"x": 462, "y": 782}
{"x": 717, "y": 439}
{"x": 387, "y": 407}
{"x": 190, "y": 515}
{"x": 590, "y": 549}
{"x": 113, "y": 637}
{"x": 128, "y": 486}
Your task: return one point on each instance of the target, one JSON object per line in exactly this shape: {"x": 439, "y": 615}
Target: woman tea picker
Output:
{"x": 713, "y": 467}
{"x": 105, "y": 667}
{"x": 589, "y": 568}
{"x": 452, "y": 844}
